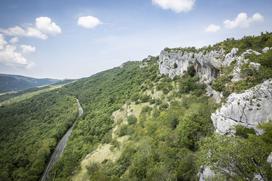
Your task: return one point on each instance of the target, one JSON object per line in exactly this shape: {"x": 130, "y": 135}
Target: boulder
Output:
{"x": 248, "y": 109}
{"x": 269, "y": 159}
{"x": 266, "y": 49}
{"x": 230, "y": 57}
{"x": 206, "y": 173}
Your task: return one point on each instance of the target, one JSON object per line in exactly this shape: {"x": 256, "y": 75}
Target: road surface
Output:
{"x": 60, "y": 147}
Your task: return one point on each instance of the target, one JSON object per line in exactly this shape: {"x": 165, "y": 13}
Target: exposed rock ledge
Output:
{"x": 206, "y": 64}
{"x": 249, "y": 109}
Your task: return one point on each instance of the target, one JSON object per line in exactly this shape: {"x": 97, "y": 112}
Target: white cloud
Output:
{"x": 47, "y": 26}
{"x": 14, "y": 40}
{"x": 27, "y": 32}
{"x": 11, "y": 57}
{"x": 88, "y": 22}
{"x": 14, "y": 31}
{"x": 175, "y": 5}
{"x": 44, "y": 26}
{"x": 243, "y": 21}
{"x": 212, "y": 28}
{"x": 2, "y": 42}
{"x": 28, "y": 48}
{"x": 33, "y": 32}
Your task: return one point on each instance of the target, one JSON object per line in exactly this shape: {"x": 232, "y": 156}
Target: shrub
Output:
{"x": 164, "y": 106}
{"x": 220, "y": 83}
{"x": 243, "y": 131}
{"x": 131, "y": 119}
{"x": 135, "y": 97}
{"x": 190, "y": 84}
{"x": 191, "y": 71}
{"x": 145, "y": 98}
{"x": 124, "y": 130}
{"x": 146, "y": 109}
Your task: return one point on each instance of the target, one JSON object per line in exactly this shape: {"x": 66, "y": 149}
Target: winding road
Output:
{"x": 60, "y": 147}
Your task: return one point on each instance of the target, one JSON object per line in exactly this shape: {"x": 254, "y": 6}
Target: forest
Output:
{"x": 29, "y": 132}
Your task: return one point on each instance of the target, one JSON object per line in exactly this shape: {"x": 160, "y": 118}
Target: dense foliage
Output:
{"x": 163, "y": 143}
{"x": 29, "y": 131}
{"x": 239, "y": 158}
{"x": 164, "y": 138}
{"x": 100, "y": 95}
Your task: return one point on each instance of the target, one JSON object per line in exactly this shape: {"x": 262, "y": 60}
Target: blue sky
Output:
{"x": 124, "y": 30}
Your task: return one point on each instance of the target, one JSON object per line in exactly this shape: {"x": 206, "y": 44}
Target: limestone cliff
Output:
{"x": 248, "y": 109}
{"x": 206, "y": 65}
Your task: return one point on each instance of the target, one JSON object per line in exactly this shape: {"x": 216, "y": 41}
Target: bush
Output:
{"x": 124, "y": 130}
{"x": 146, "y": 109}
{"x": 190, "y": 84}
{"x": 191, "y": 71}
{"x": 243, "y": 131}
{"x": 145, "y": 98}
{"x": 220, "y": 83}
{"x": 131, "y": 119}
{"x": 135, "y": 97}
{"x": 163, "y": 106}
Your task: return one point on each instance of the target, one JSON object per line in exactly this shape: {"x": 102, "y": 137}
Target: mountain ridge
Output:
{"x": 9, "y": 82}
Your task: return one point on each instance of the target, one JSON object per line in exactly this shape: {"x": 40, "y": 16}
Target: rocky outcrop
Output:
{"x": 269, "y": 159}
{"x": 240, "y": 61}
{"x": 230, "y": 57}
{"x": 248, "y": 109}
{"x": 206, "y": 173}
{"x": 206, "y": 65}
{"x": 266, "y": 49}
{"x": 217, "y": 96}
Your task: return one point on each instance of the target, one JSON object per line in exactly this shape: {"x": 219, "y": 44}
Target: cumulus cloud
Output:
{"x": 88, "y": 22}
{"x": 177, "y": 6}
{"x": 33, "y": 32}
{"x": 14, "y": 40}
{"x": 2, "y": 42}
{"x": 47, "y": 26}
{"x": 44, "y": 26}
{"x": 243, "y": 21}
{"x": 212, "y": 28}
{"x": 28, "y": 49}
{"x": 23, "y": 32}
{"x": 10, "y": 56}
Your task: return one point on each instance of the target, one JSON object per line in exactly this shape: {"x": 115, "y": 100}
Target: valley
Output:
{"x": 186, "y": 114}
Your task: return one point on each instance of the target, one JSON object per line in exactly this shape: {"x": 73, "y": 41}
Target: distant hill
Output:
{"x": 17, "y": 82}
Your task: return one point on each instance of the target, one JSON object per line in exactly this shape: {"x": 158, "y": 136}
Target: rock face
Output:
{"x": 206, "y": 65}
{"x": 206, "y": 173}
{"x": 248, "y": 109}
{"x": 241, "y": 60}
{"x": 266, "y": 49}
{"x": 269, "y": 159}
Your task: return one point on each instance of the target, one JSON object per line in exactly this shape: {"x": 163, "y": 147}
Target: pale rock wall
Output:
{"x": 249, "y": 109}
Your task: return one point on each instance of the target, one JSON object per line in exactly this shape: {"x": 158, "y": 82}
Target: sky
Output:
{"x": 78, "y": 38}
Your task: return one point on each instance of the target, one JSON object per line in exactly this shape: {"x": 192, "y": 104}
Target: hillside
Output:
{"x": 187, "y": 114}
{"x": 10, "y": 83}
